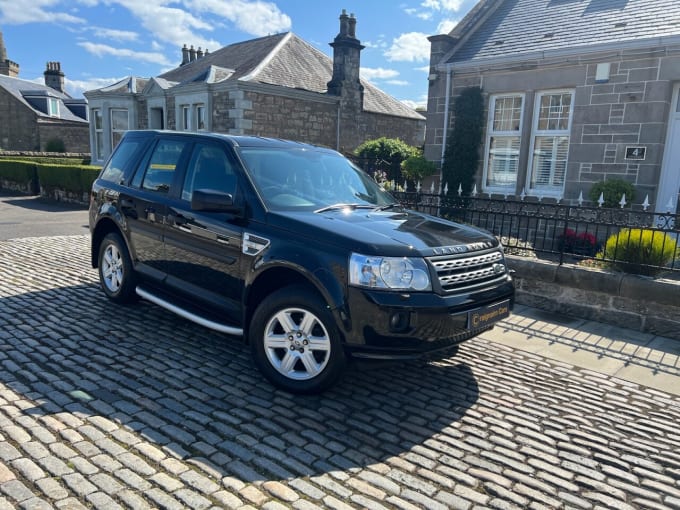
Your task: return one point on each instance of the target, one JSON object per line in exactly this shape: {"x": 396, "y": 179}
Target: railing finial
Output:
{"x": 623, "y": 202}
{"x": 645, "y": 204}
{"x": 600, "y": 200}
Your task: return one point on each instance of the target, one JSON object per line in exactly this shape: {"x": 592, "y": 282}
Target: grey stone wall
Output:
{"x": 76, "y": 136}
{"x": 316, "y": 121}
{"x": 18, "y": 129}
{"x": 630, "y": 301}
{"x": 629, "y": 109}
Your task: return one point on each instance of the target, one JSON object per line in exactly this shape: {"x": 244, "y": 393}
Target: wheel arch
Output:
{"x": 104, "y": 227}
{"x": 277, "y": 277}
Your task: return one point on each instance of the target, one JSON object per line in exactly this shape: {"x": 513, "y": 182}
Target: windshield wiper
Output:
{"x": 386, "y": 207}
{"x": 334, "y": 207}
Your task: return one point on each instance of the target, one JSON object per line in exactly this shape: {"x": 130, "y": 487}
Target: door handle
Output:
{"x": 178, "y": 221}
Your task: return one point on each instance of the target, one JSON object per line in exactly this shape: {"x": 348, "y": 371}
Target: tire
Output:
{"x": 116, "y": 274}
{"x": 295, "y": 342}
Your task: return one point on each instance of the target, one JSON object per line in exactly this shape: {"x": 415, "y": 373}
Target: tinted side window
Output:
{"x": 115, "y": 168}
{"x": 161, "y": 166}
{"x": 209, "y": 169}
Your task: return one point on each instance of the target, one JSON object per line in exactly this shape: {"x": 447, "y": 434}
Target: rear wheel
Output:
{"x": 116, "y": 274}
{"x": 295, "y": 342}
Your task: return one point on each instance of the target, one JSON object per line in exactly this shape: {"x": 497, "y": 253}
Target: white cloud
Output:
{"x": 76, "y": 87}
{"x": 446, "y": 26}
{"x": 13, "y": 12}
{"x": 442, "y": 5}
{"x": 378, "y": 73}
{"x": 170, "y": 24}
{"x": 409, "y": 47}
{"x": 256, "y": 17}
{"x": 420, "y": 103}
{"x": 116, "y": 35}
{"x": 101, "y": 50}
{"x": 399, "y": 83}
{"x": 423, "y": 69}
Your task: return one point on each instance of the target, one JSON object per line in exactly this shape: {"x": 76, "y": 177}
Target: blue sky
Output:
{"x": 98, "y": 42}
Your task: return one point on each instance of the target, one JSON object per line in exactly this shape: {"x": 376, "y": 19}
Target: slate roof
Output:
{"x": 518, "y": 27}
{"x": 285, "y": 60}
{"x": 23, "y": 89}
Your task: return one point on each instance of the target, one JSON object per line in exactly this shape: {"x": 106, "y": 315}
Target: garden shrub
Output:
{"x": 579, "y": 243}
{"x": 635, "y": 250}
{"x": 612, "y": 191}
{"x": 416, "y": 168}
{"x": 18, "y": 172}
{"x": 55, "y": 145}
{"x": 386, "y": 154}
{"x": 72, "y": 179}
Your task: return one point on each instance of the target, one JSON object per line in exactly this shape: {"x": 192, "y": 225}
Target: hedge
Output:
{"x": 74, "y": 178}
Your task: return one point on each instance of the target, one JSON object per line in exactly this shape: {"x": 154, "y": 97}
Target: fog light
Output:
{"x": 399, "y": 322}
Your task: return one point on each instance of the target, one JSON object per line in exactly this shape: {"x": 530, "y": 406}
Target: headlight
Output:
{"x": 396, "y": 273}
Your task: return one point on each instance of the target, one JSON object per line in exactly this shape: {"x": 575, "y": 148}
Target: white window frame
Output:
{"x": 118, "y": 133}
{"x": 98, "y": 133}
{"x": 491, "y": 133}
{"x": 185, "y": 117}
{"x": 549, "y": 191}
{"x": 53, "y": 106}
{"x": 198, "y": 108}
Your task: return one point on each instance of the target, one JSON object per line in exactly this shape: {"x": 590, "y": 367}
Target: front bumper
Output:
{"x": 392, "y": 325}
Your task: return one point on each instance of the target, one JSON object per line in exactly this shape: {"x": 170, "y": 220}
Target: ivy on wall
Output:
{"x": 461, "y": 157}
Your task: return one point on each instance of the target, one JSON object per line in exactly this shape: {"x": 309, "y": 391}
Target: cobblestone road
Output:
{"x": 130, "y": 407}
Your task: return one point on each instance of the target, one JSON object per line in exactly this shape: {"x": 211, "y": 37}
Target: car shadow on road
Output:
{"x": 139, "y": 374}
{"x": 40, "y": 203}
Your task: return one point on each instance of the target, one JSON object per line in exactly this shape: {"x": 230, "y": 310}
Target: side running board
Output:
{"x": 217, "y": 326}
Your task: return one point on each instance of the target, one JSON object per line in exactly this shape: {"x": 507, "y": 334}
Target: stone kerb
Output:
{"x": 630, "y": 301}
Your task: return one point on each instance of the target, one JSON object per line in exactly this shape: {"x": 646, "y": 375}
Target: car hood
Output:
{"x": 389, "y": 233}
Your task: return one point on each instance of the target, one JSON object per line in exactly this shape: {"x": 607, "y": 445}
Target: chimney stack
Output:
{"x": 192, "y": 54}
{"x": 185, "y": 55}
{"x": 54, "y": 76}
{"x": 7, "y": 67}
{"x": 347, "y": 62}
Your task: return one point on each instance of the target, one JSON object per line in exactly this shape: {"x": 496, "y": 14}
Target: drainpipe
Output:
{"x": 447, "y": 101}
{"x": 337, "y": 133}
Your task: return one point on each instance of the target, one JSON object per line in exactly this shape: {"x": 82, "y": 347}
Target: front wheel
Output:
{"x": 295, "y": 342}
{"x": 116, "y": 274}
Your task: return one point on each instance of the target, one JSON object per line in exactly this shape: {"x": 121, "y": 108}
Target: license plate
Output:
{"x": 488, "y": 315}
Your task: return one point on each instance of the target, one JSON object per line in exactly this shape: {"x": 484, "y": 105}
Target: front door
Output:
{"x": 669, "y": 183}
{"x": 203, "y": 249}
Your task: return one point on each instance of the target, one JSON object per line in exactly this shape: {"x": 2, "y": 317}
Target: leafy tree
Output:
{"x": 415, "y": 168}
{"x": 386, "y": 154}
{"x": 461, "y": 158}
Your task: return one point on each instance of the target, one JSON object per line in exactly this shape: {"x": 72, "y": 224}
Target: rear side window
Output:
{"x": 161, "y": 166}
{"x": 115, "y": 169}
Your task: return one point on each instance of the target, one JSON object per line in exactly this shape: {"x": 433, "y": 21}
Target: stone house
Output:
{"x": 31, "y": 115}
{"x": 275, "y": 86}
{"x": 575, "y": 92}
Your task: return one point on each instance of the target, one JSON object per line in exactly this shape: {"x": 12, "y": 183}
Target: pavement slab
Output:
{"x": 106, "y": 406}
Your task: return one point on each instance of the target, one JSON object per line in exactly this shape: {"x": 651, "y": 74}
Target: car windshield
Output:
{"x": 308, "y": 179}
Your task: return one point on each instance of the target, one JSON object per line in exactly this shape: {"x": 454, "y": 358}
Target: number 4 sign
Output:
{"x": 636, "y": 152}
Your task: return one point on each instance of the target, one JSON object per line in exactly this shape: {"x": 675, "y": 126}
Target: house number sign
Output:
{"x": 636, "y": 152}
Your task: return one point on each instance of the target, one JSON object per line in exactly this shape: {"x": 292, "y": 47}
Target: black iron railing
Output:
{"x": 566, "y": 233}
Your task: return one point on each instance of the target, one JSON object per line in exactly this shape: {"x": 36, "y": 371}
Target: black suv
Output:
{"x": 291, "y": 247}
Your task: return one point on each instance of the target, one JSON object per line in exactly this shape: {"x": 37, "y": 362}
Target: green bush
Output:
{"x": 387, "y": 153}
{"x": 55, "y": 145}
{"x": 612, "y": 191}
{"x": 73, "y": 179}
{"x": 415, "y": 168}
{"x": 47, "y": 160}
{"x": 19, "y": 172}
{"x": 635, "y": 250}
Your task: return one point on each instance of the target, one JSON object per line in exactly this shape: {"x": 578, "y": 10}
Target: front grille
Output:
{"x": 464, "y": 272}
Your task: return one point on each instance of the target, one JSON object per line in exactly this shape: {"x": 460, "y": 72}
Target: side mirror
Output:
{"x": 214, "y": 201}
